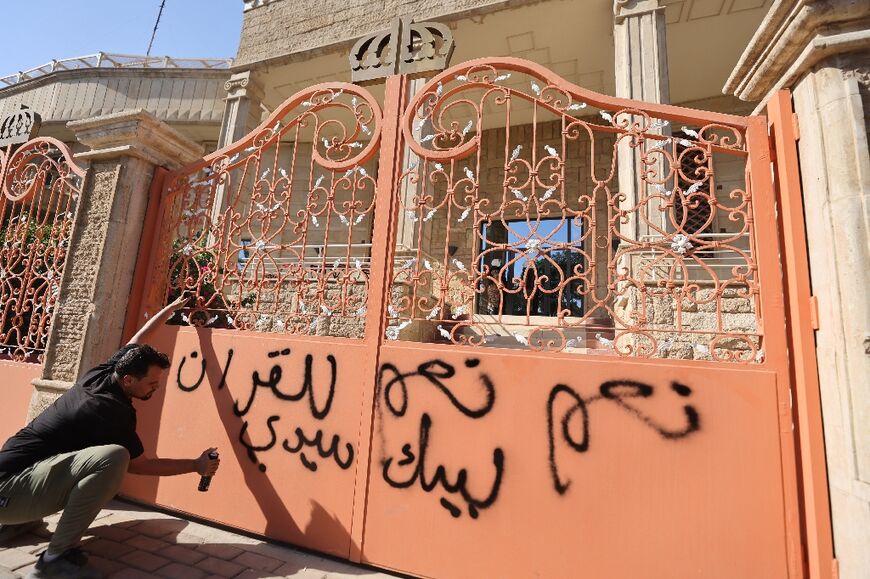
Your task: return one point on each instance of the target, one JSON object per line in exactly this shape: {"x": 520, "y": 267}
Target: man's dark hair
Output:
{"x": 135, "y": 359}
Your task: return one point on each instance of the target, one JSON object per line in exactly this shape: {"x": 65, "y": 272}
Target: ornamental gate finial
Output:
{"x": 408, "y": 47}
{"x": 19, "y": 127}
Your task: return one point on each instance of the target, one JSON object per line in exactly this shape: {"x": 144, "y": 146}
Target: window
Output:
{"x": 244, "y": 255}
{"x": 531, "y": 267}
{"x": 696, "y": 209}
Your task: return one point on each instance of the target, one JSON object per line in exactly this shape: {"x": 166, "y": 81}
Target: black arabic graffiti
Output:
{"x": 321, "y": 443}
{"x": 199, "y": 380}
{"x": 616, "y": 391}
{"x": 435, "y": 372}
{"x": 307, "y": 388}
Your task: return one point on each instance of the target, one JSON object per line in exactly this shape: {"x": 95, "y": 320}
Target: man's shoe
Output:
{"x": 10, "y": 532}
{"x": 70, "y": 565}
{"x": 76, "y": 555}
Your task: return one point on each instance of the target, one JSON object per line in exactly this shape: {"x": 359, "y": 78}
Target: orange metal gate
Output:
{"x": 506, "y": 328}
{"x": 39, "y": 188}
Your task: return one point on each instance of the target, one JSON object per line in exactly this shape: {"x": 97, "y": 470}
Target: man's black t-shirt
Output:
{"x": 94, "y": 412}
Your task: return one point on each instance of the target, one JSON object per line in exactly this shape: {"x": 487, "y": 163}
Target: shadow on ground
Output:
{"x": 130, "y": 542}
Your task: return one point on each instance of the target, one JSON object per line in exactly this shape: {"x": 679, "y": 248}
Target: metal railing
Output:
{"x": 111, "y": 60}
{"x": 354, "y": 255}
{"x": 39, "y": 189}
{"x": 707, "y": 255}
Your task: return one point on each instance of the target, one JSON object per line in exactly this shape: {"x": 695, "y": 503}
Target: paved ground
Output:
{"x": 130, "y": 542}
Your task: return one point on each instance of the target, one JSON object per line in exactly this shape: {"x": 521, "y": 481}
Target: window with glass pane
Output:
{"x": 531, "y": 268}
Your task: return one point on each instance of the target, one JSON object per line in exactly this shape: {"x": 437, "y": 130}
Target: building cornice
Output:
{"x": 135, "y": 133}
{"x": 251, "y": 4}
{"x": 793, "y": 37}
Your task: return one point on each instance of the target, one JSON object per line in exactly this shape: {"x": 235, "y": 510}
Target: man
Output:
{"x": 73, "y": 456}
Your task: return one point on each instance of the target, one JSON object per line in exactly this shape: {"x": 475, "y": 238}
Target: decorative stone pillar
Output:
{"x": 125, "y": 148}
{"x": 820, "y": 50}
{"x": 639, "y": 31}
{"x": 641, "y": 50}
{"x": 835, "y": 175}
{"x": 242, "y": 114}
{"x": 641, "y": 74}
{"x": 242, "y": 110}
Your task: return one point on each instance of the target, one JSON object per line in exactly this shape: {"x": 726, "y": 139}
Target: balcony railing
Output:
{"x": 658, "y": 263}
{"x": 110, "y": 60}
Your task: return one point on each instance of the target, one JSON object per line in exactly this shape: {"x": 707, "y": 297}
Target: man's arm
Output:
{"x": 158, "y": 320}
{"x": 173, "y": 466}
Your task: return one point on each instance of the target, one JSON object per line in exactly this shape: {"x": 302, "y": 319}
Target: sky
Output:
{"x": 38, "y": 31}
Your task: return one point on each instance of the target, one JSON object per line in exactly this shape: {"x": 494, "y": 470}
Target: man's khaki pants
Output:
{"x": 78, "y": 483}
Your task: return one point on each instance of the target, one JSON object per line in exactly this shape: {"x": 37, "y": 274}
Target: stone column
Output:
{"x": 407, "y": 229}
{"x": 242, "y": 111}
{"x": 242, "y": 114}
{"x": 641, "y": 50}
{"x": 641, "y": 74}
{"x": 124, "y": 150}
{"x": 835, "y": 173}
{"x": 820, "y": 50}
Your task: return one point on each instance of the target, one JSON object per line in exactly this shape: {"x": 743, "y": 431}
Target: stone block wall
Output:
{"x": 283, "y": 27}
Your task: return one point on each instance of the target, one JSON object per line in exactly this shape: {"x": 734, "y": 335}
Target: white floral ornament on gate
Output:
{"x": 681, "y": 244}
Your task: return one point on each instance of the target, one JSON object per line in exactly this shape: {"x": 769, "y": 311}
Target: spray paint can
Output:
{"x": 205, "y": 481}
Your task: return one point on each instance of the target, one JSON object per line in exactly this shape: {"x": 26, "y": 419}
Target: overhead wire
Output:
{"x": 156, "y": 24}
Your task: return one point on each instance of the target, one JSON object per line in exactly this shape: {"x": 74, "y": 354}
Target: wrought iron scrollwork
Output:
{"x": 273, "y": 233}
{"x": 40, "y": 190}
{"x": 520, "y": 235}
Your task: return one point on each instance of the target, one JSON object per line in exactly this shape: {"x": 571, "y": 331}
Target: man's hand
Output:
{"x": 159, "y": 318}
{"x": 207, "y": 466}
{"x": 174, "y": 466}
{"x": 177, "y": 304}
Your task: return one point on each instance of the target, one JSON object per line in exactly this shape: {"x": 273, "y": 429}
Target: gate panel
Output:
{"x": 40, "y": 187}
{"x": 582, "y": 371}
{"x": 284, "y": 411}
{"x": 506, "y": 465}
{"x": 272, "y": 237}
{"x": 538, "y": 343}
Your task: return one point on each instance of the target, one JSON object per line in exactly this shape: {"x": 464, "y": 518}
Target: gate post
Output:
{"x": 803, "y": 367}
{"x": 125, "y": 148}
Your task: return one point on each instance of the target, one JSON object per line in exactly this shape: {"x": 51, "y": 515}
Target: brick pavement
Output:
{"x": 131, "y": 542}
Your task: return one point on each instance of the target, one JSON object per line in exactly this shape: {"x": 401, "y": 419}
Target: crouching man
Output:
{"x": 74, "y": 455}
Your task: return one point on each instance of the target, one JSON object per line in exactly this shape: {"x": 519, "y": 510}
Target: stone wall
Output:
{"x": 88, "y": 323}
{"x": 284, "y": 27}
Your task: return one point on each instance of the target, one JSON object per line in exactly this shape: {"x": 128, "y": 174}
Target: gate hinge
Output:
{"x": 796, "y": 126}
{"x": 814, "y": 312}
